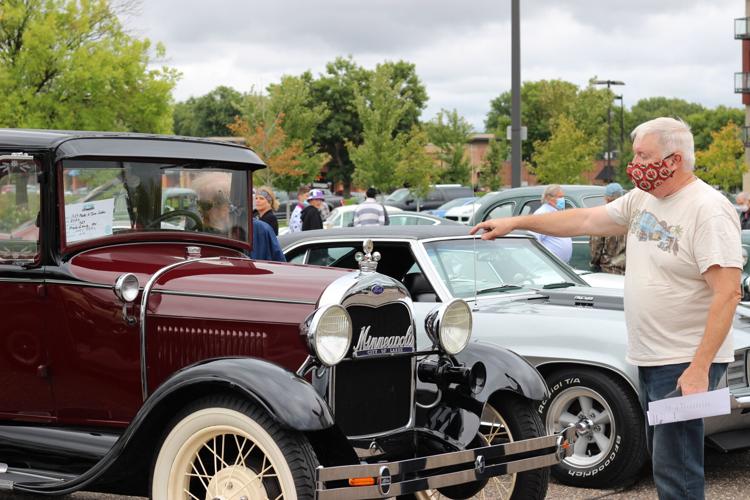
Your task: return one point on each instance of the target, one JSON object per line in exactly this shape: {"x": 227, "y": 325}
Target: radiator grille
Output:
{"x": 374, "y": 394}
{"x": 737, "y": 375}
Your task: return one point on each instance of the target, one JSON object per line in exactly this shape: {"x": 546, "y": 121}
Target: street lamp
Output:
{"x": 609, "y": 83}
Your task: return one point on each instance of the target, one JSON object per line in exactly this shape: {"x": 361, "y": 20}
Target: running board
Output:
{"x": 10, "y": 476}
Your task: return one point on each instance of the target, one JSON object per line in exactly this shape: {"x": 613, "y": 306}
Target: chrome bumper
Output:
{"x": 417, "y": 474}
{"x": 739, "y": 403}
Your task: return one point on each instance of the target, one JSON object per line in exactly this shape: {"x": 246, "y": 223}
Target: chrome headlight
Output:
{"x": 329, "y": 334}
{"x": 126, "y": 287}
{"x": 449, "y": 326}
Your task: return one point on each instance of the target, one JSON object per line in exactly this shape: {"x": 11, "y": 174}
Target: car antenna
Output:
{"x": 475, "y": 307}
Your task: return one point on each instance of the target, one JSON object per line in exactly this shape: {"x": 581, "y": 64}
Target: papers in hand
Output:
{"x": 704, "y": 404}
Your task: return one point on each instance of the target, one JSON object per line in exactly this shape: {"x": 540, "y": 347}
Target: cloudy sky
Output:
{"x": 674, "y": 48}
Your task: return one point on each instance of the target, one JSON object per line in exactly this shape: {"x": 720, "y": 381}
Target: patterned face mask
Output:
{"x": 649, "y": 176}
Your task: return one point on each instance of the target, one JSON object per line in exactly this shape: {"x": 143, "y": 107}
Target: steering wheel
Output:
{"x": 177, "y": 213}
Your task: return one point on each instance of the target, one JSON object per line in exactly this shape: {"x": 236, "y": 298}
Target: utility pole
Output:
{"x": 609, "y": 176}
{"x": 515, "y": 85}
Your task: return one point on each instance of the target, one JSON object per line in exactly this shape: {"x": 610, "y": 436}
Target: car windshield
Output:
{"x": 110, "y": 197}
{"x": 482, "y": 267}
{"x": 398, "y": 195}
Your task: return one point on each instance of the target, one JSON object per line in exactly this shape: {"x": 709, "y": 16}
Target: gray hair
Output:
{"x": 550, "y": 191}
{"x": 673, "y": 136}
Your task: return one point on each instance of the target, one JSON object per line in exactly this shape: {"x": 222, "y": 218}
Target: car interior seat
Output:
{"x": 419, "y": 288}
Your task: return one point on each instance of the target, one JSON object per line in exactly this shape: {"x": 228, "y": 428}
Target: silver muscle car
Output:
{"x": 525, "y": 299}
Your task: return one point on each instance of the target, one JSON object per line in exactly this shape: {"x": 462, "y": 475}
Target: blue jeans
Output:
{"x": 676, "y": 449}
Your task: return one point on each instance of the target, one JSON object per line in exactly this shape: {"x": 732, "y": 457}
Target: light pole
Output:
{"x": 609, "y": 83}
{"x": 622, "y": 122}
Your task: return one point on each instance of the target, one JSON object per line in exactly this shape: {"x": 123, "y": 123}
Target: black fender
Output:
{"x": 506, "y": 371}
{"x": 288, "y": 398}
{"x": 457, "y": 416}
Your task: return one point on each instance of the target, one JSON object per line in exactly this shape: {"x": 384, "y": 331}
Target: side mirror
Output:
{"x": 409, "y": 201}
{"x": 745, "y": 287}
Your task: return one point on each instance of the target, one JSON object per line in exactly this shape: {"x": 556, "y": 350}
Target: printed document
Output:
{"x": 704, "y": 404}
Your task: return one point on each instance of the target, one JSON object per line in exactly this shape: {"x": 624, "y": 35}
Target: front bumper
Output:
{"x": 437, "y": 471}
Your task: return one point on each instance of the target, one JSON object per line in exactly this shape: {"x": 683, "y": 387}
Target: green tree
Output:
{"x": 209, "y": 115}
{"x": 543, "y": 102}
{"x": 492, "y": 164}
{"x": 69, "y": 64}
{"x": 449, "y": 132}
{"x": 336, "y": 88}
{"x": 565, "y": 156}
{"x": 723, "y": 163}
{"x": 380, "y": 108}
{"x": 415, "y": 168}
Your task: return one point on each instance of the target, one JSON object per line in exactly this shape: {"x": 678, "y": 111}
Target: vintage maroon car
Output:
{"x": 144, "y": 353}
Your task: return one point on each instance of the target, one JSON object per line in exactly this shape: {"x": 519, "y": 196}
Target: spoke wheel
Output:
{"x": 232, "y": 451}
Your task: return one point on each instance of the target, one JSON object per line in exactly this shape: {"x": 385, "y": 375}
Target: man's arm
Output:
{"x": 573, "y": 222}
{"x": 725, "y": 284}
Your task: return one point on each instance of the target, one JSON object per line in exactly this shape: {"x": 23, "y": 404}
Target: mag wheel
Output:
{"x": 227, "y": 448}
{"x": 613, "y": 449}
{"x": 505, "y": 419}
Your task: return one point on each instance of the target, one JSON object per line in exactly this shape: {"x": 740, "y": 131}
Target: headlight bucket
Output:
{"x": 126, "y": 287}
{"x": 329, "y": 333}
{"x": 449, "y": 326}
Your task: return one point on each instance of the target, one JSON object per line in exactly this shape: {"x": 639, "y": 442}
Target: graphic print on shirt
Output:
{"x": 647, "y": 227}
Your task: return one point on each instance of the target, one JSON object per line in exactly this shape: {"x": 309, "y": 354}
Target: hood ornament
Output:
{"x": 368, "y": 261}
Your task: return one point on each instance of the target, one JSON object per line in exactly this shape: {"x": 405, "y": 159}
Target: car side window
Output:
{"x": 502, "y": 210}
{"x": 434, "y": 196}
{"x": 20, "y": 200}
{"x": 331, "y": 256}
{"x": 530, "y": 207}
{"x": 593, "y": 201}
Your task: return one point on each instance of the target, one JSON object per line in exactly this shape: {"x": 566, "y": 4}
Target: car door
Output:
{"x": 24, "y": 361}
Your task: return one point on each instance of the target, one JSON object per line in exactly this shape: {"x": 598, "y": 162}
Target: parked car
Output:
{"x": 458, "y": 202}
{"x": 525, "y": 200}
{"x": 464, "y": 213}
{"x": 439, "y": 194}
{"x": 159, "y": 361}
{"x": 344, "y": 216}
{"x": 526, "y": 299}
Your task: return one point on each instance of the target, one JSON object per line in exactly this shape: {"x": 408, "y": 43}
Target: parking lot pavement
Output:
{"x": 726, "y": 479}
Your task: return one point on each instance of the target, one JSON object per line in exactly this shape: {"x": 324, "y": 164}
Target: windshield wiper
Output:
{"x": 501, "y": 288}
{"x": 562, "y": 284}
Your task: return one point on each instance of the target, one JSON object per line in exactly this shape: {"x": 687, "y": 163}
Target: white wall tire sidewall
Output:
{"x": 182, "y": 439}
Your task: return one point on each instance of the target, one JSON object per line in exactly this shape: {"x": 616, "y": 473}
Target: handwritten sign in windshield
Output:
{"x": 91, "y": 219}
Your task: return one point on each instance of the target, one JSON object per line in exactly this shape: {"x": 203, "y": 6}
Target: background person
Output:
{"x": 265, "y": 244}
{"x": 295, "y": 220}
{"x": 369, "y": 212}
{"x": 743, "y": 201}
{"x": 311, "y": 218}
{"x": 608, "y": 252}
{"x": 553, "y": 200}
{"x": 265, "y": 204}
{"x": 681, "y": 290}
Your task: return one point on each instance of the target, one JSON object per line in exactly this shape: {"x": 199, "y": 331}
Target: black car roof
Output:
{"x": 400, "y": 232}
{"x": 75, "y": 143}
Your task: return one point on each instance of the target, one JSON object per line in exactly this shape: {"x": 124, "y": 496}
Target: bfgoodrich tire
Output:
{"x": 507, "y": 417}
{"x": 226, "y": 447}
{"x": 612, "y": 453}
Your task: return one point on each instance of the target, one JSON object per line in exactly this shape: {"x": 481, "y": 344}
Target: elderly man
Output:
{"x": 743, "y": 200}
{"x": 608, "y": 252}
{"x": 682, "y": 287}
{"x": 553, "y": 200}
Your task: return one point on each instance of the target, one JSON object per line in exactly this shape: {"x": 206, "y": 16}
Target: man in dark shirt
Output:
{"x": 311, "y": 218}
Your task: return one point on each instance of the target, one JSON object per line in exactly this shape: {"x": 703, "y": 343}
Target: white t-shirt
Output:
{"x": 671, "y": 242}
